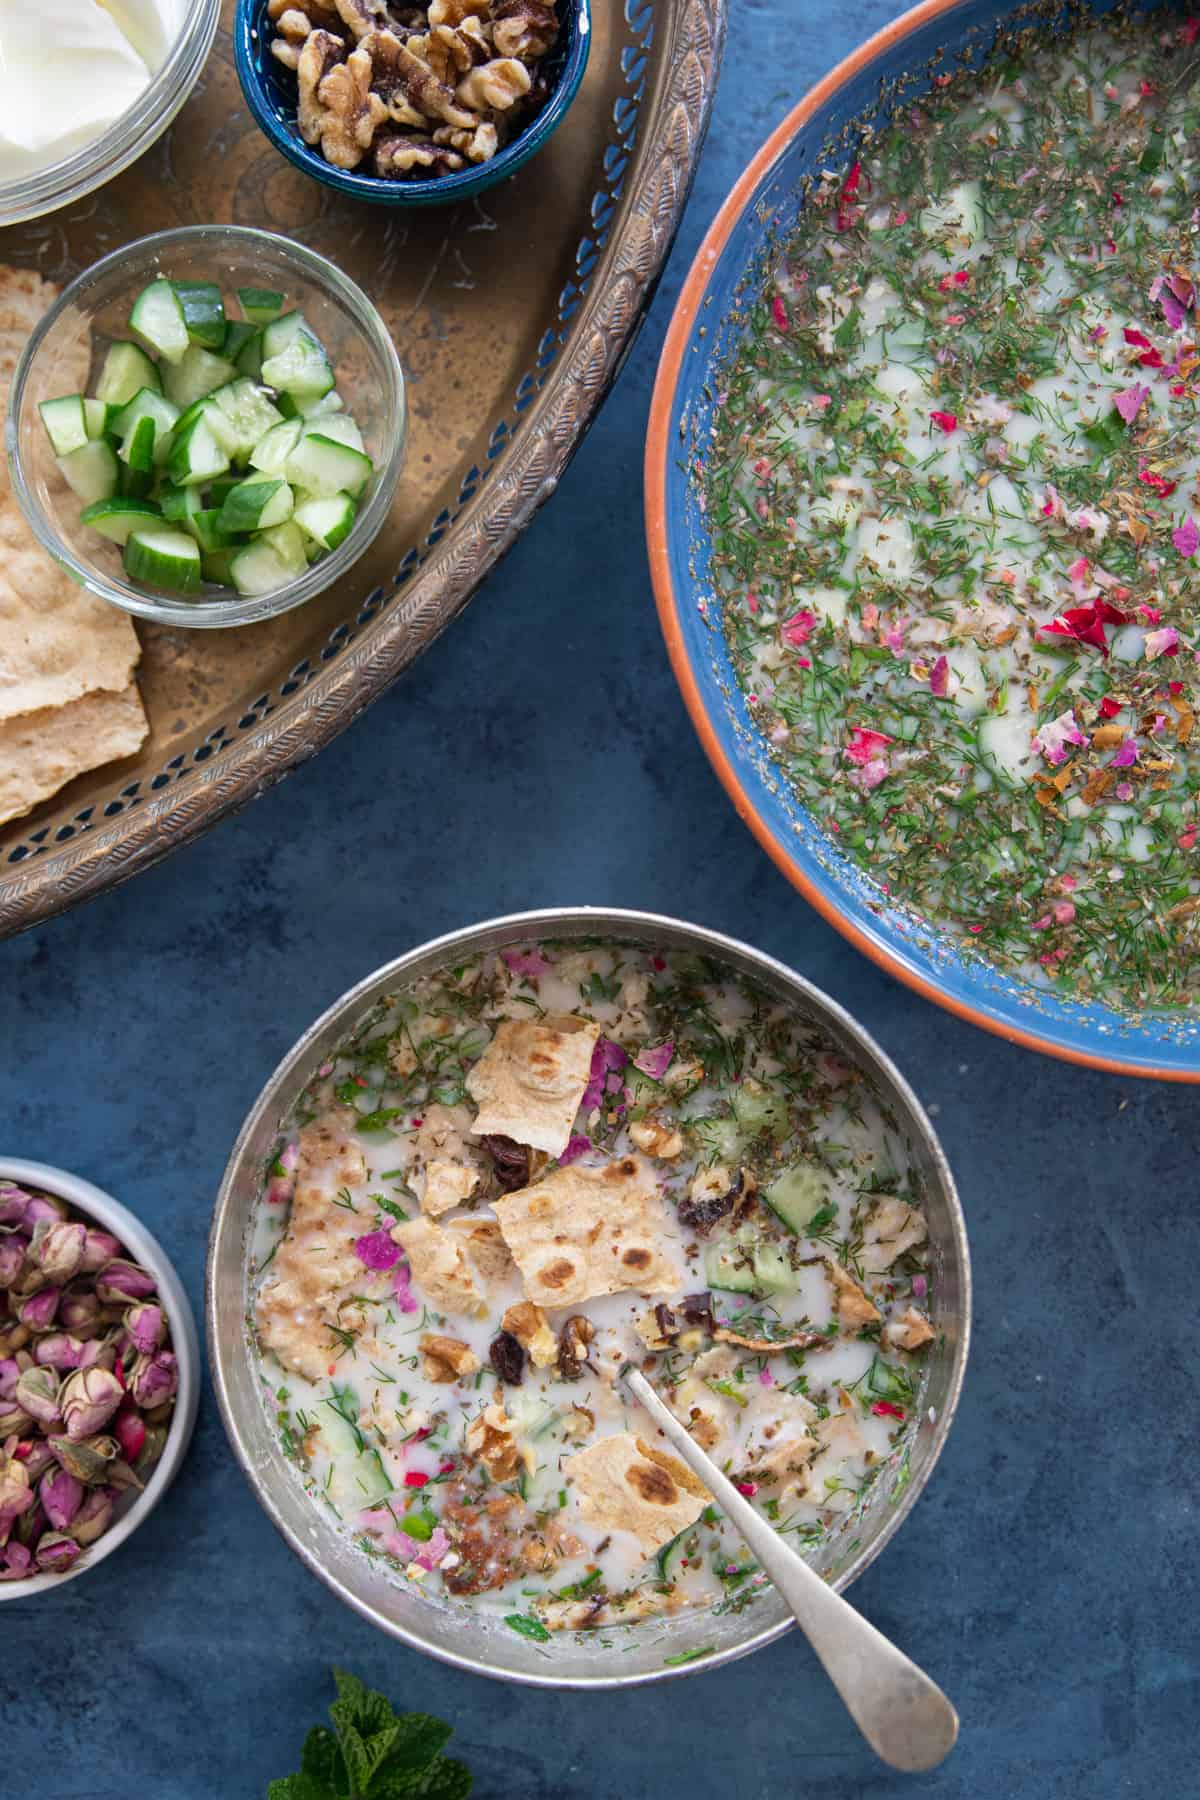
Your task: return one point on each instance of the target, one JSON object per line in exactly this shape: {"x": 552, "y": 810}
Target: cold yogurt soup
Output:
{"x": 527, "y": 1172}
{"x": 951, "y": 491}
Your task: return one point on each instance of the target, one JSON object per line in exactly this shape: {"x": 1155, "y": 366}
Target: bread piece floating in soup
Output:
{"x": 468, "y": 1229}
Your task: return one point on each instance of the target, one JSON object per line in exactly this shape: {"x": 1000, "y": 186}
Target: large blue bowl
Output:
{"x": 270, "y": 92}
{"x": 707, "y": 324}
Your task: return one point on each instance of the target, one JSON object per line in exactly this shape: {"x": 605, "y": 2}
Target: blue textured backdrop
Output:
{"x": 539, "y": 753}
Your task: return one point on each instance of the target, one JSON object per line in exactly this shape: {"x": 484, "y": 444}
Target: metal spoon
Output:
{"x": 904, "y": 1716}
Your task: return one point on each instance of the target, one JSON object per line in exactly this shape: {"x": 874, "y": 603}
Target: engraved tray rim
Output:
{"x": 668, "y": 136}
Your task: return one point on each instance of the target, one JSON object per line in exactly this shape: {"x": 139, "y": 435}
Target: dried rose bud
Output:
{"x": 99, "y": 1248}
{"x": 88, "y": 1400}
{"x": 58, "y": 1251}
{"x": 55, "y": 1553}
{"x": 154, "y": 1379}
{"x": 15, "y": 1562}
{"x": 152, "y": 1449}
{"x": 129, "y": 1429}
{"x": 13, "y": 1202}
{"x": 122, "y": 1280}
{"x": 61, "y": 1494}
{"x": 10, "y": 1372}
{"x": 38, "y": 1309}
{"x": 14, "y": 1420}
{"x": 59, "y": 1351}
{"x": 79, "y": 1313}
{"x": 43, "y": 1209}
{"x": 12, "y": 1259}
{"x": 37, "y": 1457}
{"x": 37, "y": 1392}
{"x": 146, "y": 1324}
{"x": 89, "y": 1462}
{"x": 16, "y": 1494}
{"x": 121, "y": 1475}
{"x": 97, "y": 1353}
{"x": 94, "y": 1516}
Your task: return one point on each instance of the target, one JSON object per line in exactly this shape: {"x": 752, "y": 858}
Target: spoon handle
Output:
{"x": 904, "y": 1716}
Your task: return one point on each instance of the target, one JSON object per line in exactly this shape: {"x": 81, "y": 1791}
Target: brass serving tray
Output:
{"x": 512, "y": 314}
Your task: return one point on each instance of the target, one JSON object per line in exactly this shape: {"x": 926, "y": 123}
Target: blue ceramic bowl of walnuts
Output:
{"x": 383, "y": 111}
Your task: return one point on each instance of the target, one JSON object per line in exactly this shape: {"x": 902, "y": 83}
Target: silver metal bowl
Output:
{"x": 627, "y": 1655}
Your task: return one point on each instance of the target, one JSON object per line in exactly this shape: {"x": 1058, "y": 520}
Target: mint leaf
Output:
{"x": 300, "y": 1787}
{"x": 323, "y": 1762}
{"x": 443, "y": 1779}
{"x": 376, "y": 1755}
{"x": 527, "y": 1626}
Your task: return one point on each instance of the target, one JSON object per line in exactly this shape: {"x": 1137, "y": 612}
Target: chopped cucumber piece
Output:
{"x": 203, "y": 312}
{"x": 237, "y": 335}
{"x": 157, "y": 318}
{"x": 280, "y": 332}
{"x": 126, "y": 369}
{"x": 260, "y": 305}
{"x": 129, "y": 424}
{"x": 254, "y": 505}
{"x": 97, "y": 417}
{"x": 340, "y": 427}
{"x": 271, "y": 452}
{"x": 91, "y": 471}
{"x": 326, "y": 468}
{"x": 241, "y": 415}
{"x": 205, "y": 528}
{"x": 798, "y": 1195}
{"x": 270, "y": 562}
{"x": 301, "y": 368}
{"x": 134, "y": 484}
{"x": 248, "y": 361}
{"x": 729, "y": 1267}
{"x": 195, "y": 455}
{"x": 306, "y": 407}
{"x": 66, "y": 425}
{"x": 164, "y": 558}
{"x": 137, "y": 445}
{"x": 327, "y": 522}
{"x": 773, "y": 1273}
{"x": 180, "y": 503}
{"x": 217, "y": 566}
{"x": 197, "y": 373}
{"x": 116, "y": 517}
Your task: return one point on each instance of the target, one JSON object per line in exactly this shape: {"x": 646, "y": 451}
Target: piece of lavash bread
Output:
{"x": 58, "y": 644}
{"x": 582, "y": 1232}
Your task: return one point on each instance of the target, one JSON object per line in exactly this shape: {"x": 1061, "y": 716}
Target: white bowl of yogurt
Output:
{"x": 80, "y": 104}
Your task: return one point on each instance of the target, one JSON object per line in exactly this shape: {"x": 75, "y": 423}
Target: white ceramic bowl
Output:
{"x": 131, "y": 1507}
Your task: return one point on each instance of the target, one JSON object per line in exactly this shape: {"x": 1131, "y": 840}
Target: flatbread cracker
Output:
{"x": 25, "y": 298}
{"x": 57, "y": 642}
{"x": 529, "y": 1081}
{"x": 583, "y": 1232}
{"x": 316, "y": 1269}
{"x": 624, "y": 1485}
{"x": 41, "y": 751}
{"x": 439, "y": 1266}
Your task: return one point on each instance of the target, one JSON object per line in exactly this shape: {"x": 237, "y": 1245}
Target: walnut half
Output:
{"x": 445, "y": 1358}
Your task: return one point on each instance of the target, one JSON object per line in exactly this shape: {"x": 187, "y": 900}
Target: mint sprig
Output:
{"x": 373, "y": 1753}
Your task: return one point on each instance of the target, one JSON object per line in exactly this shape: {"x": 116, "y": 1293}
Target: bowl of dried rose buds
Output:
{"x": 417, "y": 105}
{"x": 99, "y": 1375}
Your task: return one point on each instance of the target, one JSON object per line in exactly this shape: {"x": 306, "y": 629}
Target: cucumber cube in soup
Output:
{"x": 126, "y": 369}
{"x": 255, "y": 504}
{"x": 195, "y": 456}
{"x": 91, "y": 471}
{"x": 162, "y": 556}
{"x": 203, "y": 312}
{"x": 66, "y": 425}
{"x": 198, "y": 372}
{"x": 798, "y": 1195}
{"x": 260, "y": 305}
{"x": 729, "y": 1267}
{"x": 773, "y": 1273}
{"x": 157, "y": 318}
{"x": 326, "y": 468}
{"x": 115, "y": 518}
{"x": 327, "y": 522}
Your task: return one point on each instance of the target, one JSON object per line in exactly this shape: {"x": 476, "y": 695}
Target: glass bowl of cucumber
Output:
{"x": 208, "y": 426}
